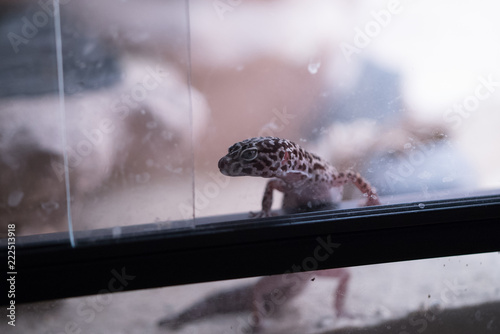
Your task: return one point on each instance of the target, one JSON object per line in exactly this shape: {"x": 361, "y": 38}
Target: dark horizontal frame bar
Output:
{"x": 145, "y": 256}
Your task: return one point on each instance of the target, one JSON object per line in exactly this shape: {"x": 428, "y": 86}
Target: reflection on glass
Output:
{"x": 127, "y": 115}
{"x": 31, "y": 195}
{"x": 155, "y": 93}
{"x": 131, "y": 138}
{"x": 444, "y": 295}
{"x": 362, "y": 84}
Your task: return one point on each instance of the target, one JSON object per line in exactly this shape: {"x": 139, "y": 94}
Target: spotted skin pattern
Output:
{"x": 305, "y": 179}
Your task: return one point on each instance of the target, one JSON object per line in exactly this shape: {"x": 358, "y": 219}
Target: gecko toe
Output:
{"x": 261, "y": 214}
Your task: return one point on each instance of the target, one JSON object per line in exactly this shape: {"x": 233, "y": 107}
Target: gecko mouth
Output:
{"x": 224, "y": 166}
{"x": 225, "y": 172}
{"x": 229, "y": 168}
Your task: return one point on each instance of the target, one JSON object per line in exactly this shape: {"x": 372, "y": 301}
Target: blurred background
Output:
{"x": 155, "y": 91}
{"x": 406, "y": 92}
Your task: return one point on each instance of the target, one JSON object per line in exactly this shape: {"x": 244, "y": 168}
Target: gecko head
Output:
{"x": 258, "y": 156}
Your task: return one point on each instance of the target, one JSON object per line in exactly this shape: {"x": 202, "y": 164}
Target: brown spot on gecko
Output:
{"x": 267, "y": 150}
{"x": 267, "y": 162}
{"x": 247, "y": 170}
{"x": 315, "y": 156}
{"x": 259, "y": 166}
{"x": 318, "y": 166}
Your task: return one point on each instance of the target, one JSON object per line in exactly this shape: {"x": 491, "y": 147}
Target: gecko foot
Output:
{"x": 372, "y": 200}
{"x": 345, "y": 315}
{"x": 261, "y": 214}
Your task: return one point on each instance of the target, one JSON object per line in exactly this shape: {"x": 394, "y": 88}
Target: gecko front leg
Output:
{"x": 267, "y": 199}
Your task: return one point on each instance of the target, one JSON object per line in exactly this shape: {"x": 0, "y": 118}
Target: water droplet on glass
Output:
{"x": 313, "y": 67}
{"x": 50, "y": 206}
{"x": 143, "y": 111}
{"x": 142, "y": 178}
{"x": 421, "y": 205}
{"x": 172, "y": 169}
{"x": 167, "y": 135}
{"x": 425, "y": 175}
{"x": 15, "y": 198}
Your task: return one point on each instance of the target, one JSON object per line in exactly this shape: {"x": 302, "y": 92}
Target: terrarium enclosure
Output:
{"x": 117, "y": 112}
{"x": 114, "y": 116}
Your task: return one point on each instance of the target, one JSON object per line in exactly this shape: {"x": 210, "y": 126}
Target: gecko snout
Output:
{"x": 223, "y": 165}
{"x": 228, "y": 167}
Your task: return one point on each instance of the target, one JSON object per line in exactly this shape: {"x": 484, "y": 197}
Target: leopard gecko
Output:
{"x": 305, "y": 179}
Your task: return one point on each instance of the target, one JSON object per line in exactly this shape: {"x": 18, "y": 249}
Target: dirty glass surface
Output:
{"x": 404, "y": 92}
{"x": 117, "y": 112}
{"x": 32, "y": 196}
{"x": 96, "y": 115}
{"x": 444, "y": 295}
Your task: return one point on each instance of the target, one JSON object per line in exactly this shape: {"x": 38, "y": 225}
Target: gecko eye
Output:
{"x": 249, "y": 154}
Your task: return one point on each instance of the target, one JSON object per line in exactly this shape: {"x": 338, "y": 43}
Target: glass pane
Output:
{"x": 406, "y": 297}
{"x": 444, "y": 295}
{"x": 405, "y": 93}
{"x": 125, "y": 120}
{"x": 32, "y": 196}
{"x": 128, "y": 112}
{"x": 155, "y": 92}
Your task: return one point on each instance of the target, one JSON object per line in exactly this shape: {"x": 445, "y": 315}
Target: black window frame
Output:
{"x": 49, "y": 268}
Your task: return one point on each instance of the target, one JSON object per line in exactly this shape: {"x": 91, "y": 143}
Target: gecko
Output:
{"x": 305, "y": 179}
{"x": 265, "y": 298}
